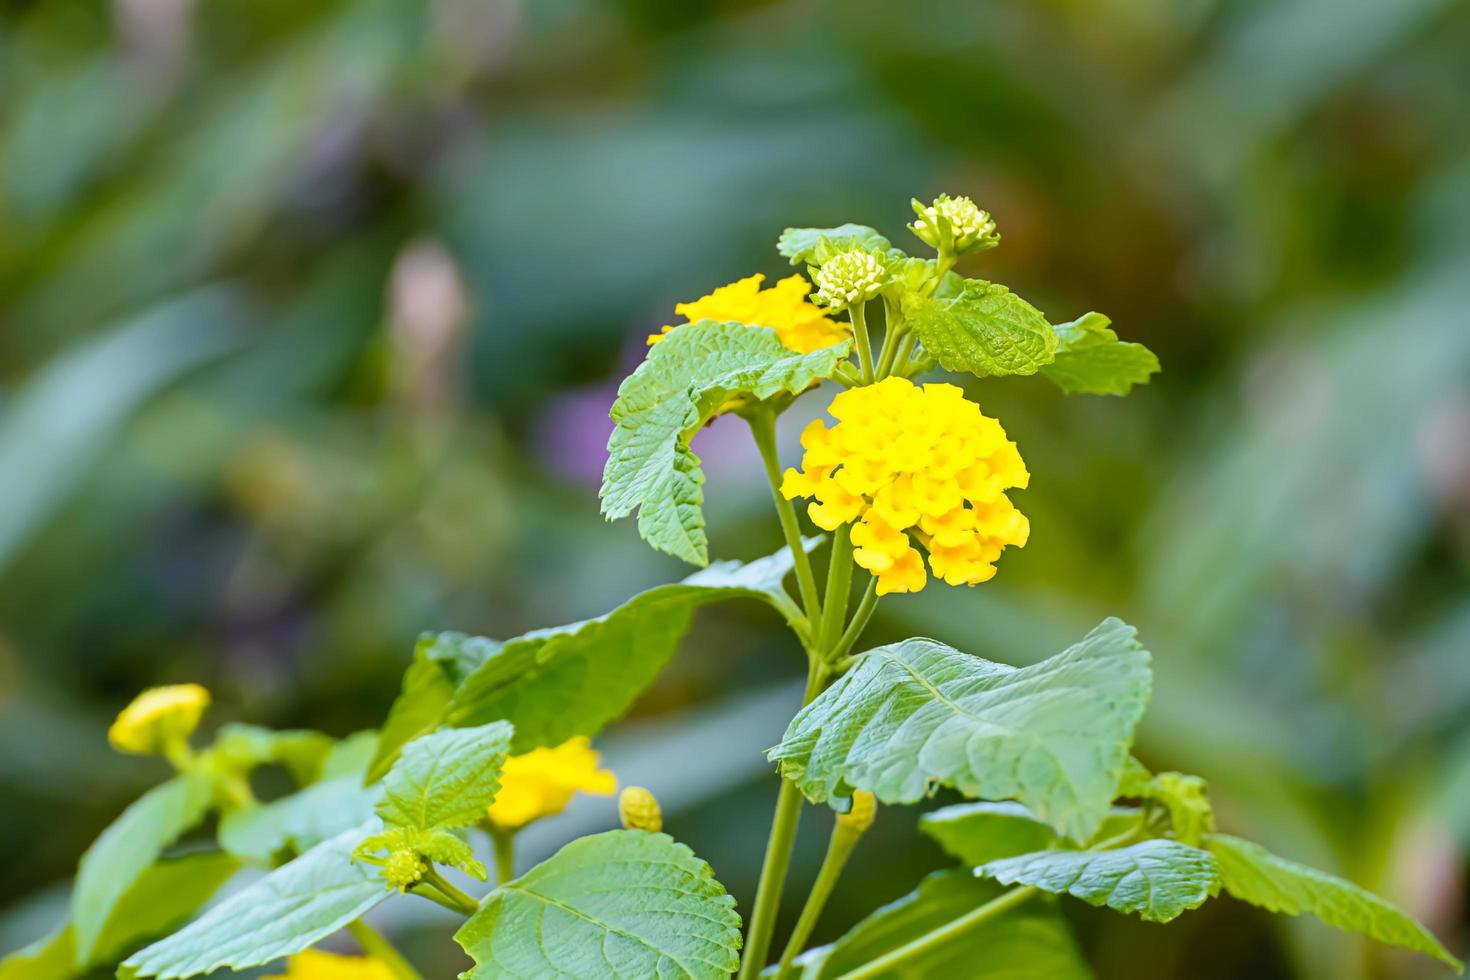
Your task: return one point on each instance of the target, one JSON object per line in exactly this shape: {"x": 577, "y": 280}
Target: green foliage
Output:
{"x": 974, "y": 833}
{"x": 1029, "y": 941}
{"x": 1158, "y": 879}
{"x": 243, "y": 747}
{"x": 552, "y": 684}
{"x": 1054, "y": 735}
{"x": 984, "y": 330}
{"x": 1091, "y": 360}
{"x": 1185, "y": 798}
{"x": 1253, "y": 874}
{"x": 285, "y": 912}
{"x": 125, "y": 850}
{"x": 446, "y": 779}
{"x": 679, "y": 387}
{"x": 816, "y": 245}
{"x": 625, "y": 903}
{"x": 294, "y": 824}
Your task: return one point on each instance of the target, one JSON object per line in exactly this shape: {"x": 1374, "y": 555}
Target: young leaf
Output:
{"x": 127, "y": 848}
{"x": 814, "y": 245}
{"x": 285, "y": 912}
{"x": 625, "y": 903}
{"x": 1091, "y": 360}
{"x": 673, "y": 393}
{"x": 984, "y": 330}
{"x": 1054, "y": 735}
{"x": 1158, "y": 879}
{"x": 1031, "y": 940}
{"x": 447, "y": 779}
{"x": 1253, "y": 874}
{"x": 294, "y": 824}
{"x": 552, "y": 684}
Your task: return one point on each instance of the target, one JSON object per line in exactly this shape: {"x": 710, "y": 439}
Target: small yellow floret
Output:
{"x": 542, "y": 782}
{"x": 784, "y": 308}
{"x": 157, "y": 717}
{"x": 638, "y": 810}
{"x": 316, "y": 965}
{"x": 907, "y": 465}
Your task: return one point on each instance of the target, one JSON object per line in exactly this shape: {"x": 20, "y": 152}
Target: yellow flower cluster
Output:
{"x": 316, "y": 965}
{"x": 904, "y": 461}
{"x": 784, "y": 308}
{"x": 158, "y": 717}
{"x": 542, "y": 782}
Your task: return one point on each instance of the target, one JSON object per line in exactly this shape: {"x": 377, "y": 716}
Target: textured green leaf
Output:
{"x": 677, "y": 389}
{"x": 302, "y": 752}
{"x": 1158, "y": 879}
{"x": 984, "y": 330}
{"x": 127, "y": 848}
{"x": 1253, "y": 874}
{"x": 285, "y": 912}
{"x": 815, "y": 245}
{"x": 552, "y": 684}
{"x": 294, "y": 824}
{"x": 1091, "y": 360}
{"x": 625, "y": 903}
{"x": 1024, "y": 943}
{"x": 446, "y": 779}
{"x": 1053, "y": 735}
{"x": 974, "y": 833}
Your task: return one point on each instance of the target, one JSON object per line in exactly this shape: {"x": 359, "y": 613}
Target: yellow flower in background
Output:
{"x": 542, "y": 782}
{"x": 784, "y": 308}
{"x": 158, "y": 717}
{"x": 316, "y": 965}
{"x": 913, "y": 464}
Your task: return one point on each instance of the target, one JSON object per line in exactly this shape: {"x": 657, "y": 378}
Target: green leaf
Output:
{"x": 1053, "y": 735}
{"x": 447, "y": 779}
{"x": 285, "y": 912}
{"x": 984, "y": 330}
{"x": 679, "y": 387}
{"x": 127, "y": 848}
{"x": 283, "y": 828}
{"x": 1187, "y": 802}
{"x": 51, "y": 958}
{"x": 1253, "y": 874}
{"x": 243, "y": 747}
{"x": 815, "y": 245}
{"x": 552, "y": 684}
{"x": 1158, "y": 879}
{"x": 1091, "y": 360}
{"x": 1023, "y": 943}
{"x": 625, "y": 903}
{"x": 974, "y": 833}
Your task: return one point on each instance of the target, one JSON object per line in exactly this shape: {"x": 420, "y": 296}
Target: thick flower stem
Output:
{"x": 860, "y": 618}
{"x": 374, "y": 944}
{"x": 839, "y": 584}
{"x": 505, "y": 854}
{"x": 940, "y": 936}
{"x": 763, "y": 428}
{"x": 858, "y": 314}
{"x": 778, "y": 856}
{"x": 839, "y": 849}
{"x": 447, "y": 895}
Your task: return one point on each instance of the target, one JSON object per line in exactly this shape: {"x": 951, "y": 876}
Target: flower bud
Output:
{"x": 956, "y": 219}
{"x": 157, "y": 718}
{"x": 638, "y": 810}
{"x": 403, "y": 869}
{"x": 859, "y": 816}
{"x": 848, "y": 278}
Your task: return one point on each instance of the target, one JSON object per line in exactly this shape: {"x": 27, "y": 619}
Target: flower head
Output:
{"x": 784, "y": 308}
{"x": 639, "y": 810}
{"x": 969, "y": 228}
{"x": 158, "y": 717}
{"x": 913, "y": 464}
{"x": 542, "y": 782}
{"x": 316, "y": 965}
{"x": 850, "y": 277}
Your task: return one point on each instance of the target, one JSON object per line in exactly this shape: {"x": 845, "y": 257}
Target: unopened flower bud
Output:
{"x": 403, "y": 869}
{"x": 158, "y": 718}
{"x": 638, "y": 810}
{"x": 848, "y": 278}
{"x": 968, "y": 227}
{"x": 859, "y": 816}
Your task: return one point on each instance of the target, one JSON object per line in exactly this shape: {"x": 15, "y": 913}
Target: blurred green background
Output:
{"x": 311, "y": 314}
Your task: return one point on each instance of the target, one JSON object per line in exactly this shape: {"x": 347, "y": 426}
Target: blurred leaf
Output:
{"x": 296, "y": 823}
{"x": 1091, "y": 360}
{"x": 974, "y": 833}
{"x": 815, "y": 245}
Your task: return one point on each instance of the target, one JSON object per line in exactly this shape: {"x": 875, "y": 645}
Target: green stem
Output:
{"x": 839, "y": 849}
{"x": 895, "y": 330}
{"x": 844, "y": 376}
{"x": 453, "y": 897}
{"x": 763, "y": 428}
{"x": 374, "y": 944}
{"x": 858, "y": 314}
{"x": 778, "y": 856}
{"x": 839, "y": 585}
{"x": 505, "y": 854}
{"x": 940, "y": 936}
{"x": 860, "y": 618}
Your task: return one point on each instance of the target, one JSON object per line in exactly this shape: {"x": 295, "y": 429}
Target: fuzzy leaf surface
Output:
{"x": 1054, "y": 735}
{"x": 625, "y": 903}
{"x": 446, "y": 779}
{"x": 1255, "y": 875}
{"x": 984, "y": 329}
{"x": 1158, "y": 879}
{"x": 680, "y": 386}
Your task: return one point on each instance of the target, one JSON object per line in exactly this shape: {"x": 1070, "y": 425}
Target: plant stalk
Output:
{"x": 942, "y": 935}
{"x": 839, "y": 848}
{"x": 376, "y": 945}
{"x": 839, "y": 584}
{"x": 860, "y": 618}
{"x": 859, "y": 316}
{"x": 451, "y": 896}
{"x": 763, "y": 429}
{"x": 505, "y": 854}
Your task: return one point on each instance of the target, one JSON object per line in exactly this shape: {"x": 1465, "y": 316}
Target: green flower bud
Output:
{"x": 957, "y": 220}
{"x": 638, "y": 810}
{"x": 848, "y": 278}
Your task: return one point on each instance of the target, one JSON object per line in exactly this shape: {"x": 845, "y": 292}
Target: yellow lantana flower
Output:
{"x": 908, "y": 463}
{"x": 158, "y": 717}
{"x": 784, "y": 308}
{"x": 542, "y": 782}
{"x": 316, "y": 965}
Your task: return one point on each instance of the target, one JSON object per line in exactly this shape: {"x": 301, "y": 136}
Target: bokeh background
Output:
{"x": 311, "y": 314}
